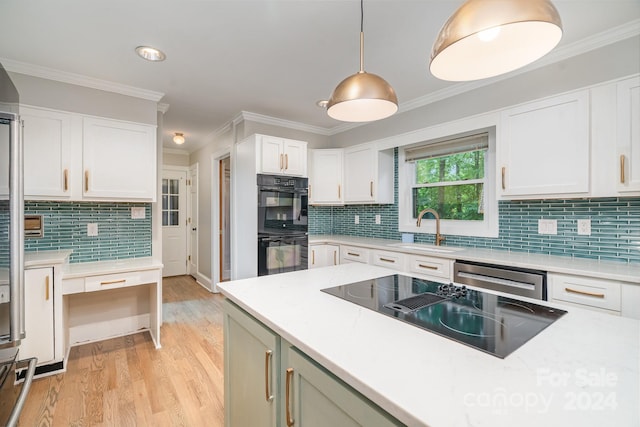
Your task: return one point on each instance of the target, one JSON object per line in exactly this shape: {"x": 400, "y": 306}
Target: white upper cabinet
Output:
{"x": 368, "y": 175}
{"x": 281, "y": 156}
{"x": 628, "y": 135}
{"x": 119, "y": 160}
{"x": 543, "y": 148}
{"x": 69, "y": 156}
{"x": 325, "y": 177}
{"x": 47, "y": 154}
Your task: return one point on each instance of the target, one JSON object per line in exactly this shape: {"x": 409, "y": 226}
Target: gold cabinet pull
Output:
{"x": 339, "y": 192}
{"x": 313, "y": 257}
{"x": 267, "y": 383}
{"x": 387, "y": 260}
{"x": 113, "y": 282}
{"x": 286, "y": 161}
{"x": 86, "y": 181}
{"x": 352, "y": 254}
{"x": 287, "y": 396}
{"x": 335, "y": 258}
{"x": 622, "y": 169}
{"x": 503, "y": 172}
{"x": 65, "y": 177}
{"x": 371, "y": 188}
{"x": 430, "y": 267}
{"x": 46, "y": 292}
{"x": 280, "y": 161}
{"x": 591, "y": 294}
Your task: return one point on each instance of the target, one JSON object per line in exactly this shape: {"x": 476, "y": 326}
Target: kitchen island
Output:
{"x": 581, "y": 370}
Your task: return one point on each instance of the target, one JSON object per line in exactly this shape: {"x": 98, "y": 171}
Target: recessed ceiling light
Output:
{"x": 322, "y": 103}
{"x": 150, "y": 53}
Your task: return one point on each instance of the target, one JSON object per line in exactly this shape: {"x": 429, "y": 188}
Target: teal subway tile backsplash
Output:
{"x": 65, "y": 227}
{"x": 615, "y": 226}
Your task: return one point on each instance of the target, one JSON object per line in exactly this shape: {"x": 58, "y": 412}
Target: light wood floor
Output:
{"x": 127, "y": 382}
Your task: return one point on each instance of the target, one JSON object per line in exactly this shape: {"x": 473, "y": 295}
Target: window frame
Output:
{"x": 489, "y": 227}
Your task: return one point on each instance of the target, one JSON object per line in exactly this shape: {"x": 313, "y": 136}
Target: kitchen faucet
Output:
{"x": 439, "y": 238}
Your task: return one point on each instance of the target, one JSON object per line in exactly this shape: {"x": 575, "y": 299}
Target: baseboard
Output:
{"x": 203, "y": 281}
{"x": 113, "y": 328}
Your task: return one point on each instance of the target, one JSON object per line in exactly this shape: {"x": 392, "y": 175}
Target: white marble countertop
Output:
{"x": 83, "y": 269}
{"x": 626, "y": 272}
{"x": 584, "y": 369}
{"x": 46, "y": 258}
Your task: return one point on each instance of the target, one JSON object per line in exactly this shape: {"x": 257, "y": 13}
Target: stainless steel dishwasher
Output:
{"x": 515, "y": 281}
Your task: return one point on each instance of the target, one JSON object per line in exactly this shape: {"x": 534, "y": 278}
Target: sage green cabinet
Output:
{"x": 251, "y": 362}
{"x": 269, "y": 382}
{"x": 316, "y": 398}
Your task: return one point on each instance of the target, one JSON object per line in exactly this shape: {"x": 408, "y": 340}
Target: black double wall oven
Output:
{"x": 282, "y": 224}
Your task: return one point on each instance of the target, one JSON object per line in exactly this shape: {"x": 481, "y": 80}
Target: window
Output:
{"x": 453, "y": 177}
{"x": 170, "y": 202}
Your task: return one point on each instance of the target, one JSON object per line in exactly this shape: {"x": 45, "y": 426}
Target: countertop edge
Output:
{"x": 609, "y": 270}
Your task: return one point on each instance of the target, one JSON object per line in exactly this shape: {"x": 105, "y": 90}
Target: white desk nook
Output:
{"x": 89, "y": 302}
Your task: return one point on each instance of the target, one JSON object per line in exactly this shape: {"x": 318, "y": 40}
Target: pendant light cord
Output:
{"x": 362, "y": 36}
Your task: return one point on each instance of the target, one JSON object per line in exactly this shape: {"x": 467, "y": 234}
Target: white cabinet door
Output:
{"x": 544, "y": 148}
{"x": 295, "y": 157}
{"x": 272, "y": 155}
{"x": 628, "y": 131}
{"x": 119, "y": 160}
{"x": 323, "y": 255}
{"x": 325, "y": 177}
{"x": 38, "y": 313}
{"x": 47, "y": 153}
{"x": 359, "y": 171}
{"x": 280, "y": 156}
{"x": 368, "y": 175}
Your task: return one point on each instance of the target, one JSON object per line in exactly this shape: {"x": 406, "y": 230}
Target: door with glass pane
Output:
{"x": 174, "y": 222}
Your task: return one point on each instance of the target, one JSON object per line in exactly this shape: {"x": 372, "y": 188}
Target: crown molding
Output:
{"x": 163, "y": 107}
{"x": 175, "y": 151}
{"x": 79, "y": 80}
{"x": 268, "y": 120}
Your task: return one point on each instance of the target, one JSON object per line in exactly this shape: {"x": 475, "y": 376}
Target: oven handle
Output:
{"x": 17, "y": 409}
{"x": 497, "y": 280}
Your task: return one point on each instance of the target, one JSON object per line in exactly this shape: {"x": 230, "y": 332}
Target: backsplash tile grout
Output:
{"x": 65, "y": 227}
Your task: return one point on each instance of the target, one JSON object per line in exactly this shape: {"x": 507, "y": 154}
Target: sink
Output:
{"x": 426, "y": 248}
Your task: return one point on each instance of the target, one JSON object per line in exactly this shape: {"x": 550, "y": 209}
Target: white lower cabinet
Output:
{"x": 323, "y": 255}
{"x": 353, "y": 254}
{"x": 393, "y": 260}
{"x": 431, "y": 268}
{"x": 38, "y": 312}
{"x": 586, "y": 292}
{"x": 268, "y": 382}
{"x": 317, "y": 398}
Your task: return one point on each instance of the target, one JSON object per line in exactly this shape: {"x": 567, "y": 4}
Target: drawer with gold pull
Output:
{"x": 119, "y": 280}
{"x": 598, "y": 293}
{"x": 431, "y": 267}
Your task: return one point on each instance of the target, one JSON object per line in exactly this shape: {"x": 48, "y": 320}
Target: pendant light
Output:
{"x": 485, "y": 38}
{"x": 362, "y": 97}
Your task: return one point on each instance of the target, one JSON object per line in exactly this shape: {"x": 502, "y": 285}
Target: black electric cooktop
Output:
{"x": 494, "y": 324}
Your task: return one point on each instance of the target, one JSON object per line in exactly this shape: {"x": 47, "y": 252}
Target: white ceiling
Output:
{"x": 275, "y": 58}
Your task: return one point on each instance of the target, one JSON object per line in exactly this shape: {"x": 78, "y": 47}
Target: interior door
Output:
{"x": 174, "y": 222}
{"x": 192, "y": 258}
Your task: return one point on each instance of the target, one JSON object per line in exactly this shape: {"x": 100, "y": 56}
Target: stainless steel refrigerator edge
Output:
{"x": 12, "y": 311}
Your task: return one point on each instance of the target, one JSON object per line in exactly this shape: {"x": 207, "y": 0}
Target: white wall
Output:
{"x": 173, "y": 158}
{"x": 78, "y": 99}
{"x": 606, "y": 63}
